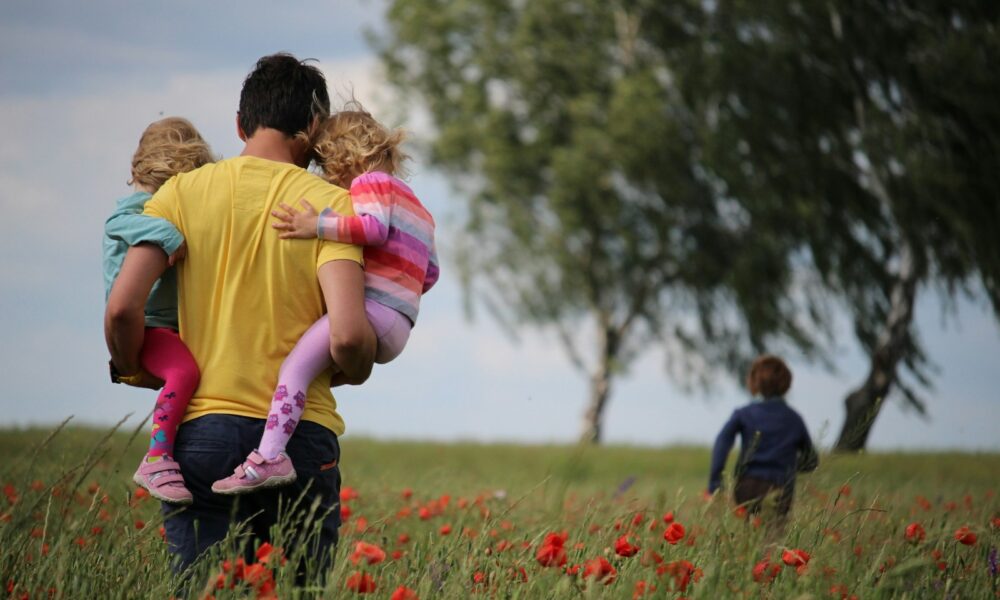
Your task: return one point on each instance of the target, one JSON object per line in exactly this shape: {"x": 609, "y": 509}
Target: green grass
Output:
{"x": 68, "y": 523}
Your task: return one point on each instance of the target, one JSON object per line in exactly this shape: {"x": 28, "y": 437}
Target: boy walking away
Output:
{"x": 774, "y": 442}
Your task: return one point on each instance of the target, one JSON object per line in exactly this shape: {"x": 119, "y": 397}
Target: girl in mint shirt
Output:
{"x": 166, "y": 148}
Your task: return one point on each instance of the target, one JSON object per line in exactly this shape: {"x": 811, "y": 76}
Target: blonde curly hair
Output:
{"x": 351, "y": 142}
{"x": 168, "y": 147}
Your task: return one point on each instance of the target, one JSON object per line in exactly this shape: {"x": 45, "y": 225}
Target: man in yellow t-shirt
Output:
{"x": 245, "y": 297}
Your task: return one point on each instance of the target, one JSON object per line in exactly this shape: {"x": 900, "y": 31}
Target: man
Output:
{"x": 245, "y": 298}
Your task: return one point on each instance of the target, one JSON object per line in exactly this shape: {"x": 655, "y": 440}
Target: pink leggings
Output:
{"x": 310, "y": 357}
{"x": 165, "y": 355}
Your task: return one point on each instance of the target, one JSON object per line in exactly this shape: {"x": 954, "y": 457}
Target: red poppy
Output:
{"x": 259, "y": 577}
{"x": 345, "y": 512}
{"x": 517, "y": 574}
{"x": 600, "y": 569}
{"x": 624, "y": 548}
{"x": 407, "y": 493}
{"x": 347, "y": 493}
{"x": 139, "y": 523}
{"x": 641, "y": 589}
{"x": 360, "y": 524}
{"x": 682, "y": 571}
{"x": 140, "y": 494}
{"x": 668, "y": 518}
{"x": 674, "y": 533}
{"x": 765, "y": 572}
{"x": 361, "y": 583}
{"x": 915, "y": 533}
{"x": 403, "y": 593}
{"x": 370, "y": 553}
{"x": 842, "y": 591}
{"x": 795, "y": 558}
{"x": 966, "y": 536}
{"x": 552, "y": 552}
{"x": 740, "y": 511}
{"x": 445, "y": 529}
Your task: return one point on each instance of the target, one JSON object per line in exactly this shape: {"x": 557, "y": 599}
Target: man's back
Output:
{"x": 245, "y": 297}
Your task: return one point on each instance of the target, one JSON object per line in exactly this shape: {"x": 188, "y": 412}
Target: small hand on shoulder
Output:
{"x": 295, "y": 224}
{"x": 179, "y": 254}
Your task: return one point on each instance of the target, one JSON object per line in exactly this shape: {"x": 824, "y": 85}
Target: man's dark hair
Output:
{"x": 282, "y": 93}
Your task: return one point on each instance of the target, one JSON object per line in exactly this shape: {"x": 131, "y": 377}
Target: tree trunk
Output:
{"x": 600, "y": 389}
{"x": 864, "y": 403}
{"x": 593, "y": 418}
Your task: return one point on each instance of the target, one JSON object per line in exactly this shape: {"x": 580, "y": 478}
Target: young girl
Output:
{"x": 167, "y": 147}
{"x": 397, "y": 232}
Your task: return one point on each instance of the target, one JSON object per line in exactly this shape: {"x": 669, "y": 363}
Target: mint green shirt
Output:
{"x": 126, "y": 227}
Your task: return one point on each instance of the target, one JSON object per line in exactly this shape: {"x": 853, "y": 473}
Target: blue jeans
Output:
{"x": 209, "y": 448}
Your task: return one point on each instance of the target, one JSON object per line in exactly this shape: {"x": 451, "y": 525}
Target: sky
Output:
{"x": 80, "y": 81}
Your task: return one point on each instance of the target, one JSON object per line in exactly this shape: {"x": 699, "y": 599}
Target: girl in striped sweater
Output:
{"x": 356, "y": 152}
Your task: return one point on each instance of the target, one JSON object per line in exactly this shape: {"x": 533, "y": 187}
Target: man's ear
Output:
{"x": 314, "y": 126}
{"x": 239, "y": 130}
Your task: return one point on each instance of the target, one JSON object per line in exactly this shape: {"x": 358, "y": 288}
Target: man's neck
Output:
{"x": 271, "y": 144}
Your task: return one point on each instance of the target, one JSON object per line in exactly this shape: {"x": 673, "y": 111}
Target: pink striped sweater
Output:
{"x": 398, "y": 235}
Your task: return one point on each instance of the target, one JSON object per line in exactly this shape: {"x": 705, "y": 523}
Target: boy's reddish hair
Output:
{"x": 769, "y": 376}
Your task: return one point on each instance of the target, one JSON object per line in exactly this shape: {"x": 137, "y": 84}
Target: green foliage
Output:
{"x": 716, "y": 176}
{"x": 863, "y": 128}
{"x": 577, "y": 129}
{"x": 68, "y": 523}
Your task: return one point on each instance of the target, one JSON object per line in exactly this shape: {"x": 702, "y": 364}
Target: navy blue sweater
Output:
{"x": 774, "y": 443}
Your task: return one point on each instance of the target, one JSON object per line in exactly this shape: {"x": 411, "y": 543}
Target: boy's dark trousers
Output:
{"x": 751, "y": 492}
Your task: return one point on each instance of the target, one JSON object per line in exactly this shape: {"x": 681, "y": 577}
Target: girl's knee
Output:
{"x": 185, "y": 379}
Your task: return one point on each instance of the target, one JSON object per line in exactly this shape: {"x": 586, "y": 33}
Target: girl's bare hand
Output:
{"x": 295, "y": 224}
{"x": 179, "y": 254}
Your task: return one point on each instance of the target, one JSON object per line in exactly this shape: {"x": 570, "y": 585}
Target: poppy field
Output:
{"x": 428, "y": 520}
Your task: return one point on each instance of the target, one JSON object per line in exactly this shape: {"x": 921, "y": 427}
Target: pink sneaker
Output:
{"x": 163, "y": 480}
{"x": 257, "y": 472}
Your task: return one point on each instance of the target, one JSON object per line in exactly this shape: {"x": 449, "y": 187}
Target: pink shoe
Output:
{"x": 163, "y": 480}
{"x": 257, "y": 472}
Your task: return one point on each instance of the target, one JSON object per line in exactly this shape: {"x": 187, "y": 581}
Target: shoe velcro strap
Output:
{"x": 160, "y": 466}
{"x": 168, "y": 479}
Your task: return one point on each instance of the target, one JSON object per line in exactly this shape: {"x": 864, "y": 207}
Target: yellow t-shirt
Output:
{"x": 245, "y": 296}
